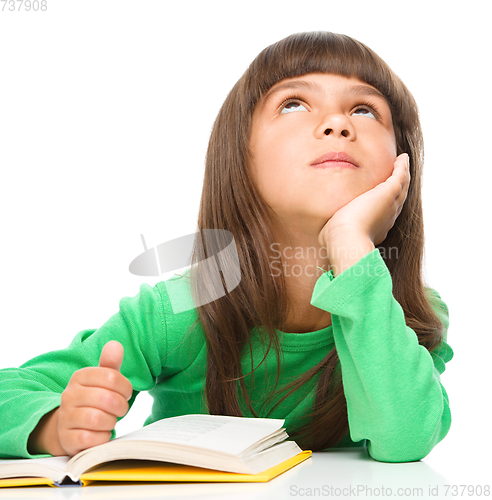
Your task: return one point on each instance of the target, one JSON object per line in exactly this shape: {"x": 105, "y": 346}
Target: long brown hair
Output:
{"x": 230, "y": 200}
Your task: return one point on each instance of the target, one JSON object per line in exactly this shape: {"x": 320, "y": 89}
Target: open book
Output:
{"x": 207, "y": 447}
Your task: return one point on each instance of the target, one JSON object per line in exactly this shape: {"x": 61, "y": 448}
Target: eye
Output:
{"x": 366, "y": 111}
{"x": 291, "y": 105}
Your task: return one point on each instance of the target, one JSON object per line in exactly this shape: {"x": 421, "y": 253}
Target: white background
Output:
{"x": 105, "y": 113}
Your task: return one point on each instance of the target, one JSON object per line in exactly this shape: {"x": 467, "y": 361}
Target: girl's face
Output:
{"x": 303, "y": 118}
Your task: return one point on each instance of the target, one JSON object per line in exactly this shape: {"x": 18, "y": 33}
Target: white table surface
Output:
{"x": 342, "y": 473}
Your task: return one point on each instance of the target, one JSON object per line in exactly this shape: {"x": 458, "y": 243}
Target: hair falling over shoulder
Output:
{"x": 231, "y": 201}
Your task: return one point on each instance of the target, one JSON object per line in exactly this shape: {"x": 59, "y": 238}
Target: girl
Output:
{"x": 314, "y": 166}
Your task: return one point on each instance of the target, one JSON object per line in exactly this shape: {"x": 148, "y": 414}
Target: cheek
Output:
{"x": 385, "y": 156}
{"x": 264, "y": 169}
{"x": 274, "y": 157}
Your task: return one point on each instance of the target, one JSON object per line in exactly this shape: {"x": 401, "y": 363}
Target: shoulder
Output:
{"x": 184, "y": 332}
{"x": 177, "y": 301}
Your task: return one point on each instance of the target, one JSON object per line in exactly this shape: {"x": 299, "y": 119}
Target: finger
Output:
{"x": 404, "y": 159}
{"x": 94, "y": 397}
{"x": 104, "y": 378}
{"x": 77, "y": 440}
{"x": 404, "y": 192}
{"x": 91, "y": 419}
{"x": 401, "y": 174}
{"x": 406, "y": 184}
{"x": 111, "y": 355}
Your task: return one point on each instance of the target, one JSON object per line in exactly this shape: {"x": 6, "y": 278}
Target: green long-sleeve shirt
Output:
{"x": 396, "y": 403}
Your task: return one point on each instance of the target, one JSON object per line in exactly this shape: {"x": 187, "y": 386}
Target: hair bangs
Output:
{"x": 318, "y": 52}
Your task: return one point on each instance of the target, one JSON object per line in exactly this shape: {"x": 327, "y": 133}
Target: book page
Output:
{"x": 58, "y": 463}
{"x": 52, "y": 467}
{"x": 215, "y": 432}
{"x": 177, "y": 431}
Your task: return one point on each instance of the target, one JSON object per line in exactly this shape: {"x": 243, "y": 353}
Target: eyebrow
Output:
{"x": 355, "y": 90}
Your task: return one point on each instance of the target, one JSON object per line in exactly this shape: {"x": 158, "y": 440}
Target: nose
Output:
{"x": 336, "y": 125}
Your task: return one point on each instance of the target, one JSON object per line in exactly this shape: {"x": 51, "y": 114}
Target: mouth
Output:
{"x": 334, "y": 159}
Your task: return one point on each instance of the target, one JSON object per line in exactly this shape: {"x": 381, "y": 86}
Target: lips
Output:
{"x": 334, "y": 157}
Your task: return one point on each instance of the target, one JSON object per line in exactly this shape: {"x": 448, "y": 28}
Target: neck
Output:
{"x": 297, "y": 255}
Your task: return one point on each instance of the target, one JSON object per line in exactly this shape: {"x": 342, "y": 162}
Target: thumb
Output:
{"x": 111, "y": 355}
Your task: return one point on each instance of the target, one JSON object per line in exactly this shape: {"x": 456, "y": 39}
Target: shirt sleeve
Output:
{"x": 31, "y": 391}
{"x": 395, "y": 399}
